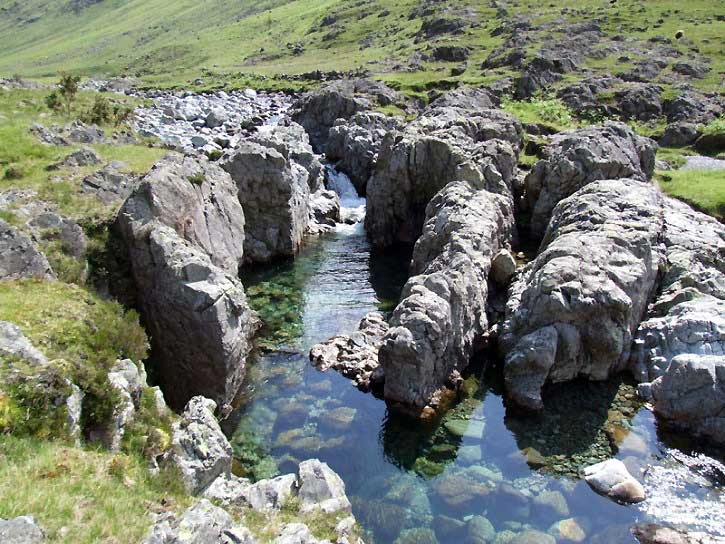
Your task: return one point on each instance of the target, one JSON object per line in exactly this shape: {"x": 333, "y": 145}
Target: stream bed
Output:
{"x": 481, "y": 473}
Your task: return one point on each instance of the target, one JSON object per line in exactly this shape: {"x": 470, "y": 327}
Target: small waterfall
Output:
{"x": 352, "y": 205}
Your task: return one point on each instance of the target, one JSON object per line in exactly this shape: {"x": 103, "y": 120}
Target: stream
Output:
{"x": 481, "y": 473}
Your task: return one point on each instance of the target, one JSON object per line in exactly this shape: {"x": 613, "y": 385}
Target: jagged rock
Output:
{"x": 450, "y": 53}
{"x": 274, "y": 193}
{"x": 442, "y": 25}
{"x": 691, "y": 69}
{"x": 691, "y": 395}
{"x": 215, "y": 118}
{"x": 578, "y": 157}
{"x": 574, "y": 310}
{"x": 466, "y": 98}
{"x": 321, "y": 489}
{"x": 110, "y": 184}
{"x": 693, "y": 107}
{"x": 353, "y": 145}
{"x": 21, "y": 258}
{"x": 611, "y": 478}
{"x": 184, "y": 228}
{"x": 652, "y": 533}
{"x": 48, "y": 136}
{"x": 85, "y": 156}
{"x": 202, "y": 523}
{"x": 441, "y": 317}
{"x": 296, "y": 533}
{"x": 354, "y": 356}
{"x": 583, "y": 95}
{"x": 641, "y": 101}
{"x": 503, "y": 267}
{"x": 81, "y": 133}
{"x": 21, "y": 530}
{"x": 68, "y": 232}
{"x": 14, "y": 343}
{"x": 445, "y": 144}
{"x": 679, "y": 135}
{"x": 199, "y": 448}
{"x": 324, "y": 209}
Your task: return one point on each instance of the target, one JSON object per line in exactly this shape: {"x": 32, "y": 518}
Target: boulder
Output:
{"x": 578, "y": 157}
{"x": 274, "y": 193}
{"x": 51, "y": 226}
{"x": 202, "y": 523}
{"x": 466, "y": 98}
{"x": 441, "y": 318}
{"x": 652, "y": 533}
{"x": 611, "y": 478}
{"x": 691, "y": 395}
{"x": 450, "y": 53}
{"x": 21, "y": 530}
{"x": 21, "y": 259}
{"x": 574, "y": 310}
{"x": 319, "y": 488}
{"x": 296, "y": 533}
{"x": 503, "y": 267}
{"x": 640, "y": 101}
{"x": 355, "y": 356}
{"x": 679, "y": 134}
{"x": 85, "y": 156}
{"x": 324, "y": 210}
{"x": 693, "y": 107}
{"x": 184, "y": 229}
{"x": 199, "y": 449}
{"x": 110, "y": 184}
{"x": 13, "y": 343}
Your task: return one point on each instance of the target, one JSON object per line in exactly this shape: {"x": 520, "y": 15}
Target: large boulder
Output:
{"x": 578, "y": 157}
{"x": 574, "y": 310}
{"x": 320, "y": 488}
{"x": 612, "y": 479}
{"x": 199, "y": 449}
{"x": 445, "y": 144}
{"x": 184, "y": 230}
{"x": 21, "y": 258}
{"x": 441, "y": 318}
{"x": 274, "y": 192}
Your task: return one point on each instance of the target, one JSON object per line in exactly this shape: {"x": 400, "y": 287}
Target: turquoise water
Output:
{"x": 482, "y": 473}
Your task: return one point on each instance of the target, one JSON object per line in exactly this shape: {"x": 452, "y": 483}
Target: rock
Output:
{"x": 652, "y": 533}
{"x": 110, "y": 184}
{"x": 296, "y": 533}
{"x": 466, "y": 98}
{"x": 711, "y": 143}
{"x": 199, "y": 449}
{"x": 441, "y": 25}
{"x": 321, "y": 489}
{"x": 269, "y": 494}
{"x": 324, "y": 210}
{"x": 691, "y": 394}
{"x": 693, "y": 107}
{"x": 20, "y": 530}
{"x": 13, "y": 343}
{"x": 274, "y": 193}
{"x": 450, "y": 53}
{"x": 202, "y": 523}
{"x": 355, "y": 356}
{"x": 578, "y": 157}
{"x": 458, "y": 492}
{"x": 81, "y": 133}
{"x": 550, "y": 506}
{"x": 338, "y": 419}
{"x": 21, "y": 259}
{"x": 574, "y": 310}
{"x": 508, "y": 503}
{"x": 531, "y": 536}
{"x": 691, "y": 69}
{"x": 85, "y": 156}
{"x": 70, "y": 234}
{"x": 503, "y": 267}
{"x": 679, "y": 135}
{"x": 441, "y": 318}
{"x": 568, "y": 530}
{"x": 611, "y": 478}
{"x": 640, "y": 101}
{"x": 445, "y": 144}
{"x": 480, "y": 530}
{"x": 184, "y": 228}
{"x": 215, "y": 118}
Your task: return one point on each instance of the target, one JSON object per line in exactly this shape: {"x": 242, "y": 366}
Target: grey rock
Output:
{"x": 321, "y": 489}
{"x": 693, "y": 107}
{"x": 575, "y": 309}
{"x": 296, "y": 533}
{"x": 641, "y": 101}
{"x": 691, "y": 69}
{"x": 550, "y": 506}
{"x": 274, "y": 193}
{"x": 578, "y": 157}
{"x": 81, "y": 133}
{"x": 199, "y": 448}
{"x": 270, "y": 494}
{"x": 215, "y": 118}
{"x": 441, "y": 318}
{"x": 324, "y": 210}
{"x": 110, "y": 184}
{"x": 691, "y": 395}
{"x": 85, "y": 156}
{"x": 19, "y": 256}
{"x": 450, "y": 53}
{"x": 611, "y": 478}
{"x": 50, "y": 225}
{"x": 21, "y": 530}
{"x": 202, "y": 523}
{"x": 503, "y": 267}
{"x": 679, "y": 135}
{"x": 466, "y": 98}
{"x": 14, "y": 343}
{"x": 652, "y": 533}
{"x": 480, "y": 530}
{"x": 354, "y": 356}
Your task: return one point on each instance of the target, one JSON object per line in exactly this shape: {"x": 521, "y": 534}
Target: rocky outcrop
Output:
{"x": 21, "y": 258}
{"x": 691, "y": 395}
{"x": 199, "y": 448}
{"x": 274, "y": 193}
{"x": 575, "y": 309}
{"x": 111, "y": 184}
{"x": 441, "y": 318}
{"x": 202, "y": 523}
{"x": 612, "y": 479}
{"x": 445, "y": 144}
{"x": 14, "y": 344}
{"x": 184, "y": 230}
{"x": 578, "y": 157}
{"x": 353, "y": 145}
{"x": 21, "y": 530}
{"x": 354, "y": 356}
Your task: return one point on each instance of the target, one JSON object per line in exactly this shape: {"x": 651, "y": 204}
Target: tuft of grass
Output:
{"x": 541, "y": 110}
{"x": 702, "y": 189}
{"x": 81, "y": 495}
{"x": 197, "y": 179}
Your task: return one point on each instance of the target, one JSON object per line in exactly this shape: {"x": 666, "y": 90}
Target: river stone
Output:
{"x": 21, "y": 259}
{"x": 508, "y": 503}
{"x": 611, "y": 478}
{"x": 531, "y": 536}
{"x": 338, "y": 419}
{"x": 652, "y": 533}
{"x": 321, "y": 489}
{"x": 274, "y": 193}
{"x": 549, "y": 506}
{"x": 441, "y": 317}
{"x": 568, "y": 530}
{"x": 480, "y": 530}
{"x": 459, "y": 492}
{"x": 199, "y": 448}
{"x": 20, "y": 530}
{"x": 202, "y": 523}
{"x": 578, "y": 157}
{"x": 574, "y": 310}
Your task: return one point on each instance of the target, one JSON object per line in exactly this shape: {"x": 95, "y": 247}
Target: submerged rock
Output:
{"x": 574, "y": 310}
{"x": 611, "y": 478}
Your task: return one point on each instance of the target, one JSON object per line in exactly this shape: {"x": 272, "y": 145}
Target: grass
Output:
{"x": 703, "y": 189}
{"x": 82, "y": 495}
{"x": 541, "y": 110}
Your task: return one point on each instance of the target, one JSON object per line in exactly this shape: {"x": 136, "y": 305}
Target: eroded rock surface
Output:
{"x": 21, "y": 258}
{"x": 21, "y": 530}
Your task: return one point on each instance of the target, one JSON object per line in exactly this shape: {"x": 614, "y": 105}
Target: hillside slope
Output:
{"x": 229, "y": 42}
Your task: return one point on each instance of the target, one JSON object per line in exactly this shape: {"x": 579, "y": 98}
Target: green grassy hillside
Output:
{"x": 231, "y": 42}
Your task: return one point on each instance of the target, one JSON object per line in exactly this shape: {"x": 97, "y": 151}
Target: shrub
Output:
{"x": 99, "y": 113}
{"x": 54, "y": 101}
{"x": 68, "y": 87}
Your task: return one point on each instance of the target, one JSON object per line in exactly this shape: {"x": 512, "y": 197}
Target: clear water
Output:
{"x": 413, "y": 483}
